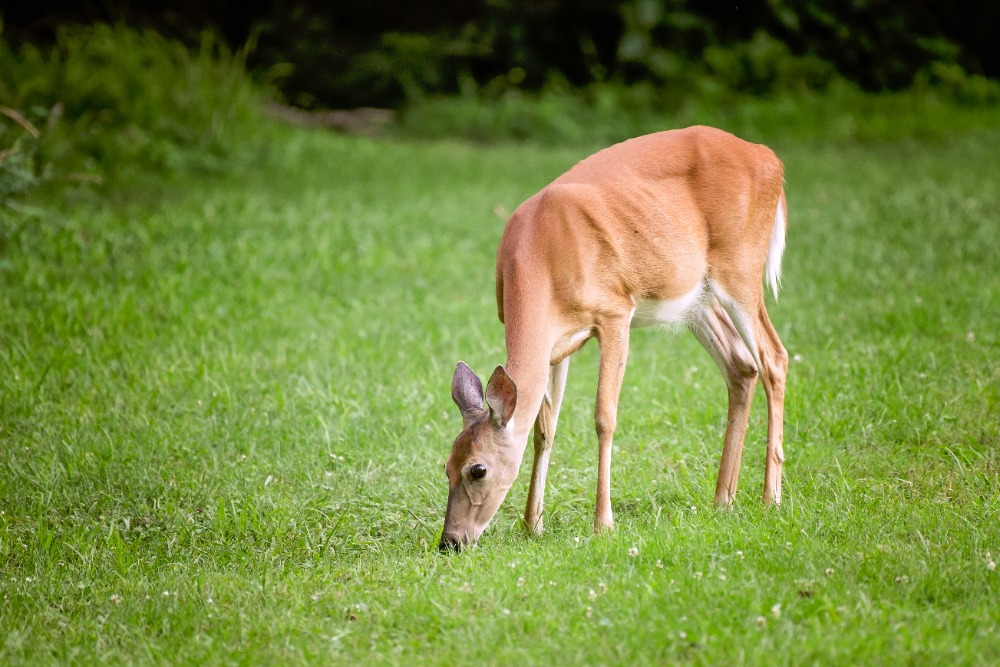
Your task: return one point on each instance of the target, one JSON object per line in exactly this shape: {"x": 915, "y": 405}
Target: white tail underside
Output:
{"x": 776, "y": 248}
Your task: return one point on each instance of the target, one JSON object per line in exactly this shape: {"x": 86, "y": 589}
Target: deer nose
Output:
{"x": 453, "y": 541}
{"x": 450, "y": 543}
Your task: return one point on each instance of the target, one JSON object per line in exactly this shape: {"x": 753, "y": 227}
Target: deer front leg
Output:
{"x": 545, "y": 433}
{"x": 614, "y": 353}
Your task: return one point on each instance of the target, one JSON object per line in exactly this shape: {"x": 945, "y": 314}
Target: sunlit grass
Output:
{"x": 224, "y": 408}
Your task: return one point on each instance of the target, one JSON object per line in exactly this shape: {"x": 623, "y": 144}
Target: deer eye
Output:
{"x": 477, "y": 471}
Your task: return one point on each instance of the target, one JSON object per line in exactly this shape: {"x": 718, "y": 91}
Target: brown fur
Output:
{"x": 647, "y": 219}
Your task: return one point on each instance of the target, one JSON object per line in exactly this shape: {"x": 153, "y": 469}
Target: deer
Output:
{"x": 673, "y": 228}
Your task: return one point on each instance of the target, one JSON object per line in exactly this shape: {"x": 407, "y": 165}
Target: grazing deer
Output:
{"x": 672, "y": 227}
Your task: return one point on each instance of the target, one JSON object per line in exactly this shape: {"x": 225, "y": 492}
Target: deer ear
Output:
{"x": 501, "y": 396}
{"x": 466, "y": 389}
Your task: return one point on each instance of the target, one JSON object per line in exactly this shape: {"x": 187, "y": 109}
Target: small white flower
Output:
{"x": 166, "y": 594}
{"x": 722, "y": 577}
{"x": 270, "y": 478}
{"x": 761, "y": 621}
{"x": 116, "y": 598}
{"x": 520, "y": 582}
{"x": 659, "y": 564}
{"x": 681, "y": 634}
{"x": 592, "y": 595}
{"x": 602, "y": 587}
{"x": 694, "y": 509}
{"x": 739, "y": 554}
{"x": 697, "y": 575}
{"x": 828, "y": 571}
{"x": 776, "y": 610}
{"x": 506, "y": 612}
{"x": 633, "y": 552}
{"x": 970, "y": 336}
{"x": 589, "y": 612}
{"x": 465, "y": 587}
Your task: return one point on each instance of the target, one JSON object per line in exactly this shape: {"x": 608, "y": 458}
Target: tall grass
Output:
{"x": 109, "y": 101}
{"x": 605, "y": 112}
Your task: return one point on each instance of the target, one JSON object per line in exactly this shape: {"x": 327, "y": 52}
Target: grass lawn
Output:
{"x": 224, "y": 408}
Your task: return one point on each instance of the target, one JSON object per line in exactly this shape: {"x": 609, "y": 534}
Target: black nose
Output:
{"x": 449, "y": 544}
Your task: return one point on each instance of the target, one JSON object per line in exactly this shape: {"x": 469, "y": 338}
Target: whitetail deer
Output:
{"x": 673, "y": 227}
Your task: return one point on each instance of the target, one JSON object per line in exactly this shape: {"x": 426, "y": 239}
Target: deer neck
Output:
{"x": 528, "y": 366}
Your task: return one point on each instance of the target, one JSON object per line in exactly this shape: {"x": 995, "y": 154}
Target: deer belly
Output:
{"x": 669, "y": 312}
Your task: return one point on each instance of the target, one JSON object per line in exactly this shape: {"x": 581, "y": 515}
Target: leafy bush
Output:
{"x": 763, "y": 65}
{"x": 18, "y": 160}
{"x": 604, "y": 113}
{"x": 111, "y": 100}
{"x": 950, "y": 80}
{"x": 355, "y": 53}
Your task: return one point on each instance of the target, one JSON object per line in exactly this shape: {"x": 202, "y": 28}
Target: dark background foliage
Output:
{"x": 353, "y": 53}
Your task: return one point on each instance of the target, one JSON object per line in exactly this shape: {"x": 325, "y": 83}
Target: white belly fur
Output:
{"x": 649, "y": 313}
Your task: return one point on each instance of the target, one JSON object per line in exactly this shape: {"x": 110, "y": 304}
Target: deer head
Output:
{"x": 484, "y": 461}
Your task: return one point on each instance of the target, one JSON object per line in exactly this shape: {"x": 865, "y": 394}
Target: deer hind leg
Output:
{"x": 716, "y": 333}
{"x": 545, "y": 433}
{"x": 614, "y": 341}
{"x": 749, "y": 317}
{"x": 775, "y": 368}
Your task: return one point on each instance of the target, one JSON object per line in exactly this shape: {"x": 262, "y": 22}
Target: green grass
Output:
{"x": 224, "y": 406}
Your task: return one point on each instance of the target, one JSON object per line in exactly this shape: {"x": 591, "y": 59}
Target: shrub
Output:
{"x": 765, "y": 65}
{"x": 109, "y": 100}
{"x": 19, "y": 170}
{"x": 604, "y": 113}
